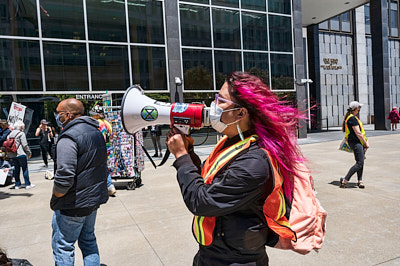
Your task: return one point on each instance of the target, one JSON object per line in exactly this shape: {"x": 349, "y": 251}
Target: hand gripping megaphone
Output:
{"x": 139, "y": 111}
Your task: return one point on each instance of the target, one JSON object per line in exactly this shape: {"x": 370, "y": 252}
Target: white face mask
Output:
{"x": 215, "y": 117}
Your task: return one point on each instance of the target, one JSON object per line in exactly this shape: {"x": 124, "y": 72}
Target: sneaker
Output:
{"x": 111, "y": 190}
{"x": 17, "y": 187}
{"x": 30, "y": 186}
{"x": 361, "y": 184}
{"x": 343, "y": 182}
{"x": 155, "y": 155}
{"x": 160, "y": 154}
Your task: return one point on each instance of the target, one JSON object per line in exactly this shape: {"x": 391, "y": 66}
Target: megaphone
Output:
{"x": 139, "y": 111}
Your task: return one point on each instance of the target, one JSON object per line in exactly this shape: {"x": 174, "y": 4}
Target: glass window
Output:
{"x": 149, "y": 67}
{"x": 195, "y": 26}
{"x": 146, "y": 21}
{"x": 335, "y": 23}
{"x": 226, "y": 28}
{"x": 254, "y": 4}
{"x": 109, "y": 67}
{"x": 226, "y": 63}
{"x": 257, "y": 64}
{"x": 279, "y": 6}
{"x": 394, "y": 19}
{"x": 254, "y": 31}
{"x": 65, "y": 66}
{"x": 64, "y": 19}
{"x": 19, "y": 18}
{"x": 280, "y": 33}
{"x": 324, "y": 25}
{"x": 282, "y": 71}
{"x": 230, "y": 3}
{"x": 346, "y": 22}
{"x": 197, "y": 69}
{"x": 20, "y": 66}
{"x": 198, "y": 1}
{"x": 367, "y": 20}
{"x": 106, "y": 20}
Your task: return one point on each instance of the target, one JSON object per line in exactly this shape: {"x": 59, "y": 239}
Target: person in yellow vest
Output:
{"x": 358, "y": 142}
{"x": 237, "y": 196}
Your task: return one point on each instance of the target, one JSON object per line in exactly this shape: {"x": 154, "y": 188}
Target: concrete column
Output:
{"x": 360, "y": 62}
{"x": 301, "y": 94}
{"x": 173, "y": 48}
{"x": 380, "y": 62}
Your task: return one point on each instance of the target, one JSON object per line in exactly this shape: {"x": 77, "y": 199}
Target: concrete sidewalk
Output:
{"x": 151, "y": 225}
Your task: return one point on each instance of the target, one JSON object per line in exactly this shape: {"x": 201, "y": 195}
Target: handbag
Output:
{"x": 344, "y": 146}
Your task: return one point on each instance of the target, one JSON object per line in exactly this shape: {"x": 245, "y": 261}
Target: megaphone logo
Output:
{"x": 139, "y": 111}
{"x": 149, "y": 113}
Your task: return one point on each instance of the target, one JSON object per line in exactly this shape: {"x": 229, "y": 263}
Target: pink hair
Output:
{"x": 274, "y": 121}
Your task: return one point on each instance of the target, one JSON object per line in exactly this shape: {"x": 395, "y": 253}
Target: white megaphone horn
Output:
{"x": 139, "y": 111}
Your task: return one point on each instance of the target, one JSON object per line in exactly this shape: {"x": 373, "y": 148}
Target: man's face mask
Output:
{"x": 216, "y": 113}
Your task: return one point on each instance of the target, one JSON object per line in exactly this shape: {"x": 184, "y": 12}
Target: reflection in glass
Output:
{"x": 146, "y": 21}
{"x": 253, "y": 4}
{"x": 20, "y": 66}
{"x": 106, "y": 20}
{"x": 198, "y": 1}
{"x": 65, "y": 66}
{"x": 195, "y": 25}
{"x": 254, "y": 31}
{"x": 226, "y": 28}
{"x": 64, "y": 19}
{"x": 282, "y": 71}
{"x": 279, "y": 6}
{"x": 324, "y": 25}
{"x": 280, "y": 33}
{"x": 367, "y": 19}
{"x": 257, "y": 64}
{"x": 335, "y": 23}
{"x": 149, "y": 67}
{"x": 230, "y": 3}
{"x": 345, "y": 21}
{"x": 109, "y": 67}
{"x": 394, "y": 19}
{"x": 197, "y": 69}
{"x": 226, "y": 63}
{"x": 19, "y": 18}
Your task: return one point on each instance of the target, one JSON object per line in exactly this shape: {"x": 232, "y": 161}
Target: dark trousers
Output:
{"x": 46, "y": 149}
{"x": 156, "y": 143}
{"x": 21, "y": 162}
{"x": 358, "y": 150}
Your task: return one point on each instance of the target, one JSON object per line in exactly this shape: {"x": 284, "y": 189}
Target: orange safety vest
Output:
{"x": 274, "y": 207}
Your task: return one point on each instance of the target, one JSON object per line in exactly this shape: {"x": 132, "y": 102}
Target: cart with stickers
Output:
{"x": 125, "y": 152}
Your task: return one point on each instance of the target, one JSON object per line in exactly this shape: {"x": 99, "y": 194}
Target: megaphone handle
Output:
{"x": 148, "y": 156}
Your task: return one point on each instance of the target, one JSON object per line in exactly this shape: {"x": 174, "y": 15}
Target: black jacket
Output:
{"x": 86, "y": 188}
{"x": 3, "y": 135}
{"x": 235, "y": 197}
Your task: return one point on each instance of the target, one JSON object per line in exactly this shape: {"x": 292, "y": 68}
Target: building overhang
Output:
{"x": 317, "y": 11}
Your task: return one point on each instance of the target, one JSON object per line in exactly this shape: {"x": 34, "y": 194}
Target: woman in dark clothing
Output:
{"x": 231, "y": 191}
{"x": 45, "y": 134}
{"x": 358, "y": 142}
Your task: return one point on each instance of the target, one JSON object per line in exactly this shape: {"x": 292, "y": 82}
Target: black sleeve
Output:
{"x": 352, "y": 122}
{"x": 241, "y": 184}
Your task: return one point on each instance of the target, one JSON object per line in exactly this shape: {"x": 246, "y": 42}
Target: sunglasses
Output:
{"x": 219, "y": 100}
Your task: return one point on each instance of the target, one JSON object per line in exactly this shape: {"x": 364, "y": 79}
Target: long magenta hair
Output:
{"x": 274, "y": 121}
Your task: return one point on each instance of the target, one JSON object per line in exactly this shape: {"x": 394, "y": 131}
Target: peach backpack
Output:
{"x": 307, "y": 217}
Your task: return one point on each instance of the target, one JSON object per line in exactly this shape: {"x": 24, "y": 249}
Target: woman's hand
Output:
{"x": 178, "y": 143}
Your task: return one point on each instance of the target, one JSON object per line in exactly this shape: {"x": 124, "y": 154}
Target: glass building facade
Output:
{"x": 78, "y": 46}
{"x": 219, "y": 37}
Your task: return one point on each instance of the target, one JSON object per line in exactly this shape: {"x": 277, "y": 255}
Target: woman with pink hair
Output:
{"x": 235, "y": 193}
